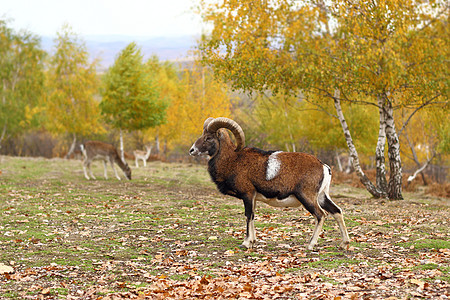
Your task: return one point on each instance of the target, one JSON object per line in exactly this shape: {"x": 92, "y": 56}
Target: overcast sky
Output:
{"x": 103, "y": 17}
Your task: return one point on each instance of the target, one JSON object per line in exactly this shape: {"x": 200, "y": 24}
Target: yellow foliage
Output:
{"x": 193, "y": 95}
{"x": 196, "y": 97}
{"x": 395, "y": 50}
{"x": 72, "y": 84}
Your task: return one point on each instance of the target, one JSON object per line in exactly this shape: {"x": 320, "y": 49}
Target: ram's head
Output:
{"x": 208, "y": 143}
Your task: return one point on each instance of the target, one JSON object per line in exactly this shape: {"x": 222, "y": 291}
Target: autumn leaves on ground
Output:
{"x": 168, "y": 234}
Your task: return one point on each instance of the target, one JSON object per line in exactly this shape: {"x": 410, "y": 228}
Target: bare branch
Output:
{"x": 411, "y": 178}
{"x": 429, "y": 102}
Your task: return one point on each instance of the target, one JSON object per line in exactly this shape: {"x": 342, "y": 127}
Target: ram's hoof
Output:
{"x": 247, "y": 245}
{"x": 310, "y": 246}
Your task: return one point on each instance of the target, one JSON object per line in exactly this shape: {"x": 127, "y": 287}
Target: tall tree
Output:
{"x": 343, "y": 50}
{"x": 21, "y": 79}
{"x": 196, "y": 96}
{"x": 204, "y": 96}
{"x": 426, "y": 137}
{"x": 391, "y": 48}
{"x": 131, "y": 98}
{"x": 72, "y": 84}
{"x": 168, "y": 82}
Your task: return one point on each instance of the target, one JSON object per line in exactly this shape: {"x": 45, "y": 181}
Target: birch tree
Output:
{"x": 131, "y": 97}
{"x": 361, "y": 51}
{"x": 72, "y": 84}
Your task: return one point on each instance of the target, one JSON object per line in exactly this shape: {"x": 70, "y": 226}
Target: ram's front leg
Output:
{"x": 250, "y": 236}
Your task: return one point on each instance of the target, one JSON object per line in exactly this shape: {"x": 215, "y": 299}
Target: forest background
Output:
{"x": 286, "y": 71}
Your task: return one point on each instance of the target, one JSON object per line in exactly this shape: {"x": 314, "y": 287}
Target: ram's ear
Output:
{"x": 219, "y": 134}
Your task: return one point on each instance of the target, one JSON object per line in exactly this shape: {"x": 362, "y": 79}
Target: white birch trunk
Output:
{"x": 379, "y": 152}
{"x": 122, "y": 154}
{"x": 339, "y": 161}
{"x": 352, "y": 150}
{"x": 395, "y": 164}
{"x": 157, "y": 145}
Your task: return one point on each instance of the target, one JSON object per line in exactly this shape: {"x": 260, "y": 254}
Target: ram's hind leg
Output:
{"x": 309, "y": 202}
{"x": 328, "y": 205}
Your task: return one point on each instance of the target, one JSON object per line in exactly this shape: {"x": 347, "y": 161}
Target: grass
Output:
{"x": 333, "y": 263}
{"x": 170, "y": 221}
{"x": 429, "y": 244}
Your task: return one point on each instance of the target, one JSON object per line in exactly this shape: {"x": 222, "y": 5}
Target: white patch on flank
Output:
{"x": 273, "y": 166}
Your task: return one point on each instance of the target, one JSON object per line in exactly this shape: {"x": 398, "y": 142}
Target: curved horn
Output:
{"x": 231, "y": 125}
{"x": 207, "y": 121}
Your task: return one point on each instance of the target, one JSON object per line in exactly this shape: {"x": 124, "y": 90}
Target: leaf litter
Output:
{"x": 156, "y": 241}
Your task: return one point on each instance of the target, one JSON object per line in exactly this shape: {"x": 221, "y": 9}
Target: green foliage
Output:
{"x": 427, "y": 133}
{"x": 131, "y": 96}
{"x": 322, "y": 130}
{"x": 280, "y": 120}
{"x": 21, "y": 79}
{"x": 437, "y": 124}
{"x": 72, "y": 84}
{"x": 288, "y": 122}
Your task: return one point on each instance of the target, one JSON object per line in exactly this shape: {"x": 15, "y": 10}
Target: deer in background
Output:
{"x": 139, "y": 154}
{"x": 95, "y": 150}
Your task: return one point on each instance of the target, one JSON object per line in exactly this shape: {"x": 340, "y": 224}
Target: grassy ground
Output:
{"x": 168, "y": 233}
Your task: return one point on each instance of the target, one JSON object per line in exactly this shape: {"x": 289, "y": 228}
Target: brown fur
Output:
{"x": 96, "y": 150}
{"x": 242, "y": 174}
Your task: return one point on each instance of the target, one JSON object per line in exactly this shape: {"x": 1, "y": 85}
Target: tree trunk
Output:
{"x": 412, "y": 177}
{"x": 395, "y": 164}
{"x": 379, "y": 152}
{"x": 338, "y": 159}
{"x": 157, "y": 144}
{"x": 289, "y": 129}
{"x": 348, "y": 168}
{"x": 416, "y": 160}
{"x": 72, "y": 147}
{"x": 122, "y": 154}
{"x": 286, "y": 145}
{"x": 2, "y": 136}
{"x": 352, "y": 151}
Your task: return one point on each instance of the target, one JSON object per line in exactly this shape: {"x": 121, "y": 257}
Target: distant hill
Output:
{"x": 107, "y": 47}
